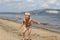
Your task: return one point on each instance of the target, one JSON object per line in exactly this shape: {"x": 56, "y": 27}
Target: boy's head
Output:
{"x": 27, "y": 15}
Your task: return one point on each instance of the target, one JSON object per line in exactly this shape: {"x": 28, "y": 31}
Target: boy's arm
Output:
{"x": 34, "y": 21}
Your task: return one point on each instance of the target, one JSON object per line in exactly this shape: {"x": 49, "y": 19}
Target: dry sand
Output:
{"x": 11, "y": 31}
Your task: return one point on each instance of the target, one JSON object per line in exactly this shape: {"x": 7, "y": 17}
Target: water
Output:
{"x": 53, "y": 19}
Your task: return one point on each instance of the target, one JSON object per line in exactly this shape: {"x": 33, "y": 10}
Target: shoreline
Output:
{"x": 43, "y": 24}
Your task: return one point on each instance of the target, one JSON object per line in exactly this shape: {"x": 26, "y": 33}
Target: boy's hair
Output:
{"x": 27, "y": 13}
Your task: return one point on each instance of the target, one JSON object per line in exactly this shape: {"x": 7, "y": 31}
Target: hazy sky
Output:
{"x": 26, "y": 5}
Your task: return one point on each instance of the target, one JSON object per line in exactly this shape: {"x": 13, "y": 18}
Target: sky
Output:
{"x": 27, "y": 5}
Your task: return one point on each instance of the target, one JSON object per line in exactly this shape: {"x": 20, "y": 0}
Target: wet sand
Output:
{"x": 10, "y": 30}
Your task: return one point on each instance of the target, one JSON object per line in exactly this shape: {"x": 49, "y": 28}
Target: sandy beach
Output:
{"x": 10, "y": 30}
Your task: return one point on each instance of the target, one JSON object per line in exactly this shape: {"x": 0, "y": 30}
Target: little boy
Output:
{"x": 27, "y": 22}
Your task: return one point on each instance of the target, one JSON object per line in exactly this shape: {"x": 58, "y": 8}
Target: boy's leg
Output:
{"x": 24, "y": 31}
{"x": 29, "y": 34}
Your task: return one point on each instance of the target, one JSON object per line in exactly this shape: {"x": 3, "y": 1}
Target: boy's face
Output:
{"x": 27, "y": 17}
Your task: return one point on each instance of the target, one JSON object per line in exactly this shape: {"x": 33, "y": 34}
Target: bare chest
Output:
{"x": 27, "y": 23}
